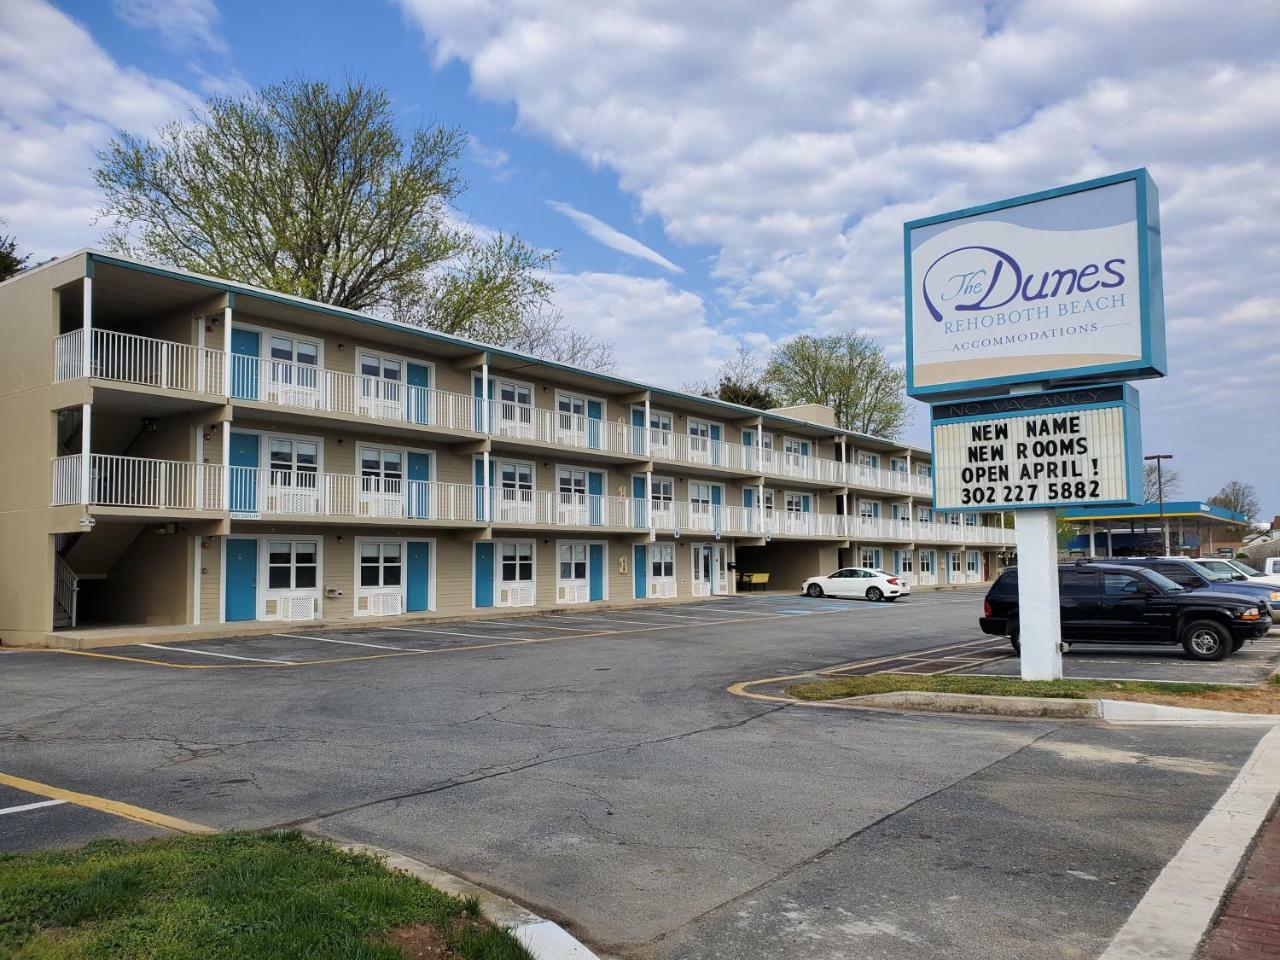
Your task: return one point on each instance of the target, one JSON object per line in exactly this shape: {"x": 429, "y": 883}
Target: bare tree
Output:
{"x": 740, "y": 380}
{"x": 1240, "y": 497}
{"x": 1151, "y": 482}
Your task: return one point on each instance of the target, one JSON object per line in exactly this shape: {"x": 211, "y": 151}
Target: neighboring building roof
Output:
{"x": 232, "y": 286}
{"x": 1151, "y": 511}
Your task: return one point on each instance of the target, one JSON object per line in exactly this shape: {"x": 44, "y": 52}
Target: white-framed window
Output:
{"x": 897, "y": 465}
{"x": 511, "y": 392}
{"x": 573, "y": 561}
{"x": 869, "y": 509}
{"x": 293, "y": 462}
{"x": 953, "y": 519}
{"x": 871, "y": 460}
{"x": 293, "y": 359}
{"x": 871, "y": 557}
{"x": 571, "y": 410}
{"x": 923, "y": 470}
{"x": 906, "y": 561}
{"x": 955, "y": 561}
{"x": 663, "y": 493}
{"x": 660, "y": 420}
{"x": 768, "y": 499}
{"x": 795, "y": 502}
{"x": 514, "y": 494}
{"x": 571, "y": 481}
{"x": 900, "y": 512}
{"x": 381, "y": 564}
{"x": 515, "y": 476}
{"x": 515, "y": 562}
{"x": 700, "y": 494}
{"x": 970, "y": 519}
{"x": 293, "y": 564}
{"x": 972, "y": 561}
{"x": 926, "y": 561}
{"x": 793, "y": 447}
{"x": 766, "y": 441}
{"x": 924, "y": 514}
{"x": 380, "y": 366}
{"x": 382, "y": 465}
{"x": 662, "y": 562}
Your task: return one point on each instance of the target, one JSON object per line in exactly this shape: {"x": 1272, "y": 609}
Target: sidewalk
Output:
{"x": 1248, "y": 928}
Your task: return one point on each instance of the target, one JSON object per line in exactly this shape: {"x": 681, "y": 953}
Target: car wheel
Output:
{"x": 1013, "y": 638}
{"x": 1206, "y": 640}
{"x": 874, "y": 594}
{"x": 1236, "y": 645}
{"x": 814, "y": 590}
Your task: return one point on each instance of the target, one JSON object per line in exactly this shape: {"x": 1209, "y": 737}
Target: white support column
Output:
{"x": 196, "y": 542}
{"x": 760, "y": 498}
{"x": 648, "y": 485}
{"x": 86, "y": 347}
{"x": 227, "y": 377}
{"x": 225, "y": 427}
{"x": 485, "y": 416}
{"x": 485, "y": 485}
{"x": 648, "y": 430}
{"x": 86, "y": 453}
{"x": 1039, "y": 621}
{"x": 227, "y": 312}
{"x": 1110, "y": 552}
{"x": 1092, "y": 552}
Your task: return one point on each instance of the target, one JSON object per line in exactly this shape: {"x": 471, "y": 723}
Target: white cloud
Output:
{"x": 495, "y": 159}
{"x": 601, "y": 232}
{"x": 661, "y": 334}
{"x": 64, "y": 97}
{"x": 184, "y": 25}
{"x": 794, "y": 139}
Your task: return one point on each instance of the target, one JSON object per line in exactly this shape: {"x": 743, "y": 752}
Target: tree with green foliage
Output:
{"x": 311, "y": 190}
{"x": 10, "y": 262}
{"x": 847, "y": 372}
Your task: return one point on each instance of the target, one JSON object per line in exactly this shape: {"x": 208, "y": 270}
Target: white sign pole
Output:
{"x": 1039, "y": 627}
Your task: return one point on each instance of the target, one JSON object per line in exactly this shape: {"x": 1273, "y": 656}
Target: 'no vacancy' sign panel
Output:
{"x": 1063, "y": 448}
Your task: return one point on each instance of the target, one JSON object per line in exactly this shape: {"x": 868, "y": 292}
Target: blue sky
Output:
{"x": 715, "y": 180}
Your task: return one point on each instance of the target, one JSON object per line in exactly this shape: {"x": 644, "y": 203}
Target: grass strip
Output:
{"x": 233, "y": 896}
{"x": 1262, "y": 698}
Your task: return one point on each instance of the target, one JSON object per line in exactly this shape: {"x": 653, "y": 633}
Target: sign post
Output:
{"x": 1024, "y": 317}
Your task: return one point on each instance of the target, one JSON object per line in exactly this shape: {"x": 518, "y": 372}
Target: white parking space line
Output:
{"x": 210, "y": 653}
{"x": 31, "y": 806}
{"x": 350, "y": 643}
{"x": 534, "y": 625}
{"x": 457, "y": 633}
{"x": 587, "y": 616}
{"x": 678, "y": 616}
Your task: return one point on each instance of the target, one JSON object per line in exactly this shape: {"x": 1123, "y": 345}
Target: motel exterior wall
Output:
{"x": 164, "y": 413}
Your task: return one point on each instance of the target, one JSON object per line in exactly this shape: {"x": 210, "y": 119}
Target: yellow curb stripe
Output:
{"x": 114, "y": 807}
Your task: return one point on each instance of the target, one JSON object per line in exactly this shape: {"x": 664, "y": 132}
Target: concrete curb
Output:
{"x": 1178, "y": 909}
{"x": 543, "y": 938}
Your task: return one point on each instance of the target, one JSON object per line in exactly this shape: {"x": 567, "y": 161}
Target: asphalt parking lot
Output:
{"x": 594, "y": 766}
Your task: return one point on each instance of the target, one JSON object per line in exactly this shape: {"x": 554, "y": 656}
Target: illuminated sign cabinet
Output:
{"x": 1007, "y": 303}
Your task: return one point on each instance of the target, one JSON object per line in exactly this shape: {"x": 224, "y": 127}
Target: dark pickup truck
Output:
{"x": 1116, "y": 603}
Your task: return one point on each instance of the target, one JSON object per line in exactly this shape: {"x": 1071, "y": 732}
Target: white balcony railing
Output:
{"x": 521, "y": 421}
{"x": 146, "y": 361}
{"x": 139, "y": 482}
{"x": 302, "y": 386}
{"x": 262, "y": 490}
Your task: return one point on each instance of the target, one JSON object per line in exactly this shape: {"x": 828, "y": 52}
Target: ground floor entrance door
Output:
{"x": 242, "y": 580}
{"x": 710, "y": 564}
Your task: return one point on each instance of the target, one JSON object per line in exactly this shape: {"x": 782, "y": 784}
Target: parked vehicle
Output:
{"x": 855, "y": 582}
{"x": 1120, "y": 603}
{"x": 1238, "y": 571}
{"x": 1189, "y": 574}
{"x": 1271, "y": 565}
{"x": 904, "y": 582}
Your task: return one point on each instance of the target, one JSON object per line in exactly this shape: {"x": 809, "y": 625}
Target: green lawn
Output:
{"x": 1198, "y": 694}
{"x": 233, "y": 896}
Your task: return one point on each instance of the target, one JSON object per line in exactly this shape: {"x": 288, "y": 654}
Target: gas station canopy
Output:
{"x": 1195, "y": 528}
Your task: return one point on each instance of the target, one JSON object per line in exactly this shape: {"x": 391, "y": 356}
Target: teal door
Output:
{"x": 639, "y": 518}
{"x": 244, "y": 473}
{"x": 242, "y": 580}
{"x": 640, "y": 559}
{"x": 715, "y": 443}
{"x": 245, "y": 351}
{"x": 595, "y": 413}
{"x": 717, "y": 498}
{"x": 418, "y": 475}
{"x": 484, "y": 575}
{"x": 595, "y": 497}
{"x": 595, "y": 570}
{"x": 417, "y": 401}
{"x": 417, "y": 595}
{"x": 638, "y": 430}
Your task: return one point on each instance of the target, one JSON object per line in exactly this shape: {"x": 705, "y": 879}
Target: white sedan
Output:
{"x": 855, "y": 582}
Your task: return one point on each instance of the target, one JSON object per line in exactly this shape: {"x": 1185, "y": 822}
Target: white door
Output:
{"x": 701, "y": 565}
{"x": 515, "y": 409}
{"x": 381, "y": 482}
{"x": 515, "y": 493}
{"x": 719, "y": 569}
{"x": 571, "y": 496}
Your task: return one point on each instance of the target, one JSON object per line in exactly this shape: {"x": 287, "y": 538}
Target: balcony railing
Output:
{"x": 522, "y": 421}
{"x": 302, "y": 386}
{"x": 138, "y": 482}
{"x": 255, "y": 491}
{"x": 146, "y": 361}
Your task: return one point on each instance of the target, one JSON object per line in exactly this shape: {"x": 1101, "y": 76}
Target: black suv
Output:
{"x": 1118, "y": 603}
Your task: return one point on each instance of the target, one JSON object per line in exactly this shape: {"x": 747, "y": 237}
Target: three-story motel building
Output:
{"x": 189, "y": 452}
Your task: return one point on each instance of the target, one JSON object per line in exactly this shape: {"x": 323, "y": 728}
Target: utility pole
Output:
{"x": 1164, "y": 527}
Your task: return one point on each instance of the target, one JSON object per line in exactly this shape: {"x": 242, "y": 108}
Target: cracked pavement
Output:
{"x": 610, "y": 782}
